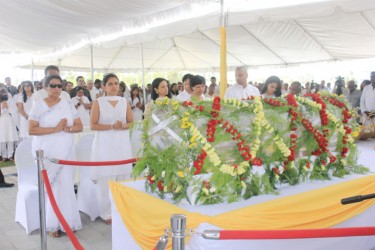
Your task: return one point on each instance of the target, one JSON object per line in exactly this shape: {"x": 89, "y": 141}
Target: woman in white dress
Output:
{"x": 53, "y": 121}
{"x": 8, "y": 130}
{"x": 136, "y": 103}
{"x": 83, "y": 105}
{"x": 272, "y": 87}
{"x": 160, "y": 90}
{"x": 25, "y": 103}
{"x": 111, "y": 117}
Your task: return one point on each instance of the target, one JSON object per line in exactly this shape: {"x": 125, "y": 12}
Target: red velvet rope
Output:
{"x": 58, "y": 213}
{"x": 92, "y": 163}
{"x": 296, "y": 234}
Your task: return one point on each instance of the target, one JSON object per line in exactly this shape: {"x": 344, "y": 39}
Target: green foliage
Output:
{"x": 171, "y": 167}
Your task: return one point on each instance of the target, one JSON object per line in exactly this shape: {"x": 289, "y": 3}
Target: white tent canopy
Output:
{"x": 184, "y": 35}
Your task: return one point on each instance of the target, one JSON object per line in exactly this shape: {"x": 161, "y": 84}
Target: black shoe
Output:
{"x": 6, "y": 185}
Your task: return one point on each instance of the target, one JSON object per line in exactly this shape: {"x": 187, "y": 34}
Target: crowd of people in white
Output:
{"x": 52, "y": 110}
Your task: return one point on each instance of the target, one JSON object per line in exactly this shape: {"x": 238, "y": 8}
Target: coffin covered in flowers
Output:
{"x": 226, "y": 150}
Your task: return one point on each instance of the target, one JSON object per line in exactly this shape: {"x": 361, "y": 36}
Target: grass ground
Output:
{"x": 7, "y": 164}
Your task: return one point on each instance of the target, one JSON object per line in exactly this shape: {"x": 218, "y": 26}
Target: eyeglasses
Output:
{"x": 52, "y": 86}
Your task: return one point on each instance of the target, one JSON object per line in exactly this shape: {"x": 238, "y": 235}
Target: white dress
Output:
{"x": 137, "y": 113}
{"x": 58, "y": 145}
{"x": 84, "y": 113}
{"x": 110, "y": 145}
{"x": 8, "y": 130}
{"x": 24, "y": 123}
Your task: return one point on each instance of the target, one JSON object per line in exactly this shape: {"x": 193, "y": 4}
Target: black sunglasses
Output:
{"x": 52, "y": 86}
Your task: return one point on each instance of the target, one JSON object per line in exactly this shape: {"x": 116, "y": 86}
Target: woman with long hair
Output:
{"x": 136, "y": 103}
{"x": 25, "y": 103}
{"x": 174, "y": 89}
{"x": 52, "y": 122}
{"x": 159, "y": 90}
{"x": 83, "y": 106}
{"x": 111, "y": 118}
{"x": 272, "y": 87}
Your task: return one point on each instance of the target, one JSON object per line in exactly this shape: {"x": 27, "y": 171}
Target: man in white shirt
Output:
{"x": 96, "y": 91}
{"x": 42, "y": 94}
{"x": 368, "y": 98}
{"x": 241, "y": 90}
{"x": 186, "y": 94}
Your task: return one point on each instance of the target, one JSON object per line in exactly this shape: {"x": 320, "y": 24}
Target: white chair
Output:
{"x": 86, "y": 195}
{"x": 27, "y": 206}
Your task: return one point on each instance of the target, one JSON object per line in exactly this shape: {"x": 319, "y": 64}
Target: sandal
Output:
{"x": 55, "y": 234}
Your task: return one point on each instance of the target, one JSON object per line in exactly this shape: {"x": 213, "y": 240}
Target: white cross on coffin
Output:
{"x": 163, "y": 125}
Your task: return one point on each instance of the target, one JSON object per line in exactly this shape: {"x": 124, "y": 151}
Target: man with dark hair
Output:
{"x": 295, "y": 88}
{"x": 11, "y": 89}
{"x": 96, "y": 91}
{"x": 186, "y": 94}
{"x": 215, "y": 86}
{"x": 50, "y": 70}
{"x": 80, "y": 83}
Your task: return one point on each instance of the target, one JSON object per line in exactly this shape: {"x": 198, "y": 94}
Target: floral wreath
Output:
{"x": 225, "y": 143}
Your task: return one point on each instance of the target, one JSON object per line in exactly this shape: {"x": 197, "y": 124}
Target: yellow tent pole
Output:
{"x": 223, "y": 53}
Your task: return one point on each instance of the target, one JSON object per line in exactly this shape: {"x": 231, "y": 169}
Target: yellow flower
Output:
{"x": 165, "y": 189}
{"x": 205, "y": 190}
{"x": 180, "y": 174}
{"x": 243, "y": 184}
{"x": 178, "y": 189}
{"x": 159, "y": 102}
{"x": 166, "y": 100}
{"x": 153, "y": 178}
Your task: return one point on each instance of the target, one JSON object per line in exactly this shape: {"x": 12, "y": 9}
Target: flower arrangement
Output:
{"x": 227, "y": 150}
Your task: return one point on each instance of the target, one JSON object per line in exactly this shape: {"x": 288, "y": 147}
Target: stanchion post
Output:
{"x": 42, "y": 208}
{"x": 178, "y": 227}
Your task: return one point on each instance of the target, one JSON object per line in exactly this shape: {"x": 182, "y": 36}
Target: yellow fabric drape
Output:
{"x": 146, "y": 217}
{"x": 223, "y": 61}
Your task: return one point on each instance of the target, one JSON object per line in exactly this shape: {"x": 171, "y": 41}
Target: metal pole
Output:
{"x": 178, "y": 227}
{"x": 143, "y": 76}
{"x": 32, "y": 71}
{"x": 92, "y": 62}
{"x": 42, "y": 208}
{"x": 162, "y": 243}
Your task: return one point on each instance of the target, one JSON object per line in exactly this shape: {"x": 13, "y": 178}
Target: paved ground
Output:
{"x": 94, "y": 235}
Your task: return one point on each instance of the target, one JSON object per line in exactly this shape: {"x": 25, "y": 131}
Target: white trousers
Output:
{"x": 7, "y": 149}
{"x": 102, "y": 192}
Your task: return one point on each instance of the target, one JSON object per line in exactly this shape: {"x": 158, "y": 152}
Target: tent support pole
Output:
{"x": 143, "y": 75}
{"x": 32, "y": 71}
{"x": 223, "y": 51}
{"x": 92, "y": 62}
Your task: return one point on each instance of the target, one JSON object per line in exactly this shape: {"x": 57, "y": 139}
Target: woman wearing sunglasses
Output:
{"x": 53, "y": 121}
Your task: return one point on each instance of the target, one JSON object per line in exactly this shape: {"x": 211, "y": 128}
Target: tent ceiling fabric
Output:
{"x": 322, "y": 31}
